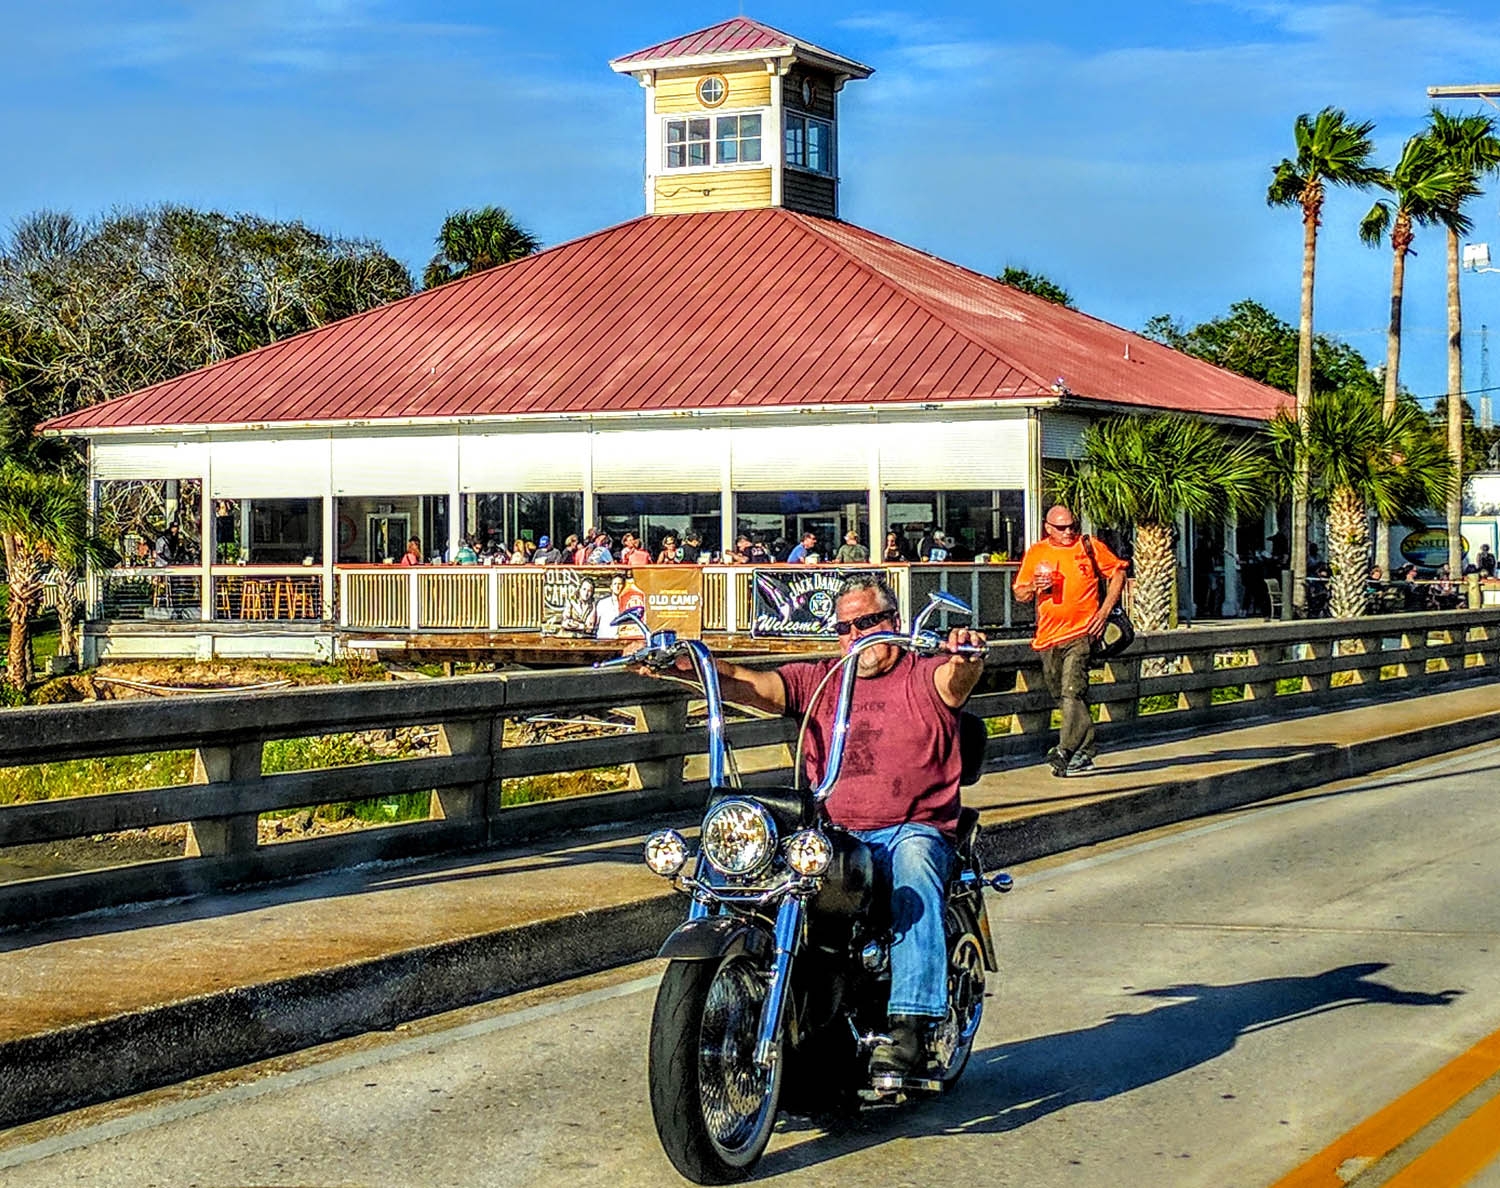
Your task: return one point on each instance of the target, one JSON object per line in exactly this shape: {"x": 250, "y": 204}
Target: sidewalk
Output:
{"x": 117, "y": 1002}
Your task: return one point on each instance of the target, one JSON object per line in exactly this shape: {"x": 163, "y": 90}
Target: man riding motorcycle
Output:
{"x": 899, "y": 787}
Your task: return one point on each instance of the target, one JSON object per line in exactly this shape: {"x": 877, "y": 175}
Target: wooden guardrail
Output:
{"x": 1197, "y": 678}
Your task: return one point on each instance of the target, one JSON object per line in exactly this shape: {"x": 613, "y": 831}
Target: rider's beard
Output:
{"x": 875, "y": 661}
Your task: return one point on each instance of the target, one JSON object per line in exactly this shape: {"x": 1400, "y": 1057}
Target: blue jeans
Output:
{"x": 919, "y": 861}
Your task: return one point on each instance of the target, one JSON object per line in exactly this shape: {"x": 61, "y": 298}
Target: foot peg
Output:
{"x": 891, "y": 1086}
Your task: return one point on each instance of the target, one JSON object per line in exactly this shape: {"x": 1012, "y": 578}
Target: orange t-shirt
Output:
{"x": 1064, "y": 613}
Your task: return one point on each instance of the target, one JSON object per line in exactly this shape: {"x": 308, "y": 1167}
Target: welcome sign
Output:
{"x": 798, "y": 603}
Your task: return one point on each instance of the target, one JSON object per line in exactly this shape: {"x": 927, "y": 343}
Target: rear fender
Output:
{"x": 716, "y": 937}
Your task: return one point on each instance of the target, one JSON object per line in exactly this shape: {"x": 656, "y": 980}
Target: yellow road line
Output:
{"x": 1459, "y": 1155}
{"x": 1386, "y": 1130}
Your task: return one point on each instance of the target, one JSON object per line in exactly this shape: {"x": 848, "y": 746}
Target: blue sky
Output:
{"x": 1122, "y": 149}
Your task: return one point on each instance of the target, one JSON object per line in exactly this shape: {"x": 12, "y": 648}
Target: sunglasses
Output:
{"x": 864, "y": 622}
{"x": 1070, "y": 526}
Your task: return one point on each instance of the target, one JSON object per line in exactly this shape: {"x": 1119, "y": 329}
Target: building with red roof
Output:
{"x": 736, "y": 361}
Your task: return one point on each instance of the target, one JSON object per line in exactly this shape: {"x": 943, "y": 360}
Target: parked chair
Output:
{"x": 253, "y": 598}
{"x": 1273, "y": 597}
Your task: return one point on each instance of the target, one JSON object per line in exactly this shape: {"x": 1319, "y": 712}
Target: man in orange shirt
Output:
{"x": 1070, "y": 616}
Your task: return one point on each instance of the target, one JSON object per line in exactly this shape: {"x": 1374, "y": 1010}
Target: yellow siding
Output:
{"x": 739, "y": 189}
{"x": 749, "y": 86}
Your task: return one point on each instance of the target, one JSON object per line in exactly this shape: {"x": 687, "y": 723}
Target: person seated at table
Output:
{"x": 413, "y": 554}
{"x": 1317, "y": 592}
{"x": 465, "y": 554}
{"x": 520, "y": 553}
{"x": 1412, "y": 597}
{"x": 1443, "y": 594}
{"x": 668, "y": 554}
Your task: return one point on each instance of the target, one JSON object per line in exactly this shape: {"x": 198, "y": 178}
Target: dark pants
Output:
{"x": 1065, "y": 668}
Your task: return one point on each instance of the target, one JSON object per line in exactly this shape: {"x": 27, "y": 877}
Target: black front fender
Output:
{"x": 714, "y": 937}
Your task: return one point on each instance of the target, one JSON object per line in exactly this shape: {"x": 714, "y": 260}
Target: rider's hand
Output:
{"x": 961, "y": 637}
{"x": 682, "y": 663}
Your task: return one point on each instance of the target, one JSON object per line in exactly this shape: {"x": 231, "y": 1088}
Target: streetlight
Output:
{"x": 1489, "y": 92}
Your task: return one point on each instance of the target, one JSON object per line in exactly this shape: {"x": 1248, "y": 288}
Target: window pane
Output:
{"x": 750, "y": 125}
{"x": 750, "y": 150}
{"x": 676, "y": 157}
{"x": 698, "y": 154}
{"x": 817, "y": 146}
{"x": 676, "y": 131}
{"x": 795, "y": 153}
{"x": 728, "y": 152}
{"x": 728, "y": 126}
{"x": 698, "y": 129}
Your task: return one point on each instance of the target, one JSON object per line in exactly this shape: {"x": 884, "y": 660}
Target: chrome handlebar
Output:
{"x": 922, "y": 643}
{"x": 662, "y": 649}
{"x": 660, "y": 654}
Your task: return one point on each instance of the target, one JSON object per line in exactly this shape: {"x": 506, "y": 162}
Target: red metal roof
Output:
{"x": 738, "y": 309}
{"x": 737, "y": 36}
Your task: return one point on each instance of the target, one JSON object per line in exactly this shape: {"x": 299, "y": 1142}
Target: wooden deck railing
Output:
{"x": 1198, "y": 678}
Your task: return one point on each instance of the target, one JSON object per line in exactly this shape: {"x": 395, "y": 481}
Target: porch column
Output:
{"x": 590, "y": 512}
{"x": 1033, "y": 505}
{"x": 245, "y": 529}
{"x": 208, "y": 546}
{"x": 1231, "y": 566}
{"x": 455, "y": 522}
{"x": 330, "y": 552}
{"x": 330, "y": 539}
{"x": 877, "y": 504}
{"x": 726, "y": 508}
{"x": 1185, "y": 605}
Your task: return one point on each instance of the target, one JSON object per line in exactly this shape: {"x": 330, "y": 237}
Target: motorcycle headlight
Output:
{"x": 808, "y": 852}
{"x": 739, "y": 838}
{"x": 666, "y": 851}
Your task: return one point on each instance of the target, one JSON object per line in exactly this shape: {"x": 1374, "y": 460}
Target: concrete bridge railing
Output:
{"x": 1171, "y": 680}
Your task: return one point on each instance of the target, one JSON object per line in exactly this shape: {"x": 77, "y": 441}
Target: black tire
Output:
{"x": 953, "y": 1040}
{"x": 714, "y": 1107}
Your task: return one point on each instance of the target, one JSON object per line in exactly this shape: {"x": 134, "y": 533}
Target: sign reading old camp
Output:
{"x": 798, "y": 603}
{"x": 673, "y": 598}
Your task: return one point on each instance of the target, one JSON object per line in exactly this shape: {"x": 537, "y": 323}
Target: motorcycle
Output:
{"x": 776, "y": 988}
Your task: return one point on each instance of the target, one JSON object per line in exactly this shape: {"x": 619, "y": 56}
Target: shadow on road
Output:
{"x": 1010, "y": 1085}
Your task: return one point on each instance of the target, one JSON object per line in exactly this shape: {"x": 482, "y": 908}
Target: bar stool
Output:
{"x": 253, "y": 600}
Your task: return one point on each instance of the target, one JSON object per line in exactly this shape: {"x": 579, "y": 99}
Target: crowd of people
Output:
{"x": 598, "y": 547}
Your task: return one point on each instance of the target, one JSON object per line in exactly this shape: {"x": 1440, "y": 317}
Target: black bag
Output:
{"x": 1106, "y": 647}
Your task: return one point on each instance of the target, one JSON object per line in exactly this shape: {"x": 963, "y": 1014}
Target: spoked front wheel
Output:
{"x": 953, "y": 1039}
{"x": 714, "y": 1106}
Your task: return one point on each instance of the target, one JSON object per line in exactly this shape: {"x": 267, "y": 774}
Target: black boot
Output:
{"x": 900, "y": 1056}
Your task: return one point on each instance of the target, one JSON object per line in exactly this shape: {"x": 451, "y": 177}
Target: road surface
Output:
{"x": 1213, "y": 1004}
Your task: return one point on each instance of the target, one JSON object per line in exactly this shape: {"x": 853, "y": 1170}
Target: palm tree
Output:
{"x": 1470, "y": 148}
{"x": 1359, "y": 461}
{"x": 1425, "y": 192}
{"x": 1330, "y": 151}
{"x": 43, "y": 515}
{"x": 1143, "y": 472}
{"x": 472, "y": 240}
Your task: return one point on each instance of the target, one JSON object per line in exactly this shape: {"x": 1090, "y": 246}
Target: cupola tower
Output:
{"x": 741, "y": 115}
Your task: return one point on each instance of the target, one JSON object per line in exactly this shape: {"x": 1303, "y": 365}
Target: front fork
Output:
{"x": 789, "y": 920}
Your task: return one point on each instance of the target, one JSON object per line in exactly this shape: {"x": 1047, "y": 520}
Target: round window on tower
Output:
{"x": 807, "y": 92}
{"x": 712, "y": 90}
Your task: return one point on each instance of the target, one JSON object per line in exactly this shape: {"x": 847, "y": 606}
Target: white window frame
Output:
{"x": 806, "y": 120}
{"x": 712, "y": 115}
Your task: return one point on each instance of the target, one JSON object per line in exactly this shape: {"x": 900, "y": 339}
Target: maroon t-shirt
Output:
{"x": 901, "y": 760}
